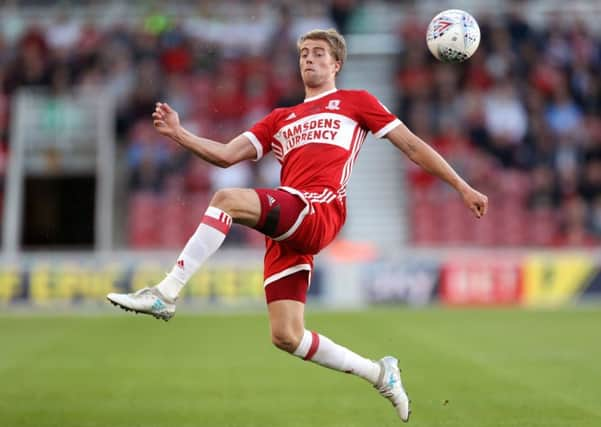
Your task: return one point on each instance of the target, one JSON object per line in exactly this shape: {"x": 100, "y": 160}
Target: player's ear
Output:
{"x": 337, "y": 66}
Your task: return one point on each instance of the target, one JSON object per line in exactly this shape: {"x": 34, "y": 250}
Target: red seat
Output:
{"x": 172, "y": 220}
{"x": 142, "y": 220}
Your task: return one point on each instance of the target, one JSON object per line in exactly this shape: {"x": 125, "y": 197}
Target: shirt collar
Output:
{"x": 321, "y": 95}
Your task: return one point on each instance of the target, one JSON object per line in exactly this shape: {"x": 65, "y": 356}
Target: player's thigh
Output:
{"x": 242, "y": 204}
{"x": 281, "y": 212}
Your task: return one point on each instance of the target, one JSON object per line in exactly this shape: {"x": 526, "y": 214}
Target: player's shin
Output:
{"x": 205, "y": 241}
{"x": 323, "y": 351}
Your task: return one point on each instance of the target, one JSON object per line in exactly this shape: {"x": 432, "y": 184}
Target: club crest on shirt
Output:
{"x": 334, "y": 104}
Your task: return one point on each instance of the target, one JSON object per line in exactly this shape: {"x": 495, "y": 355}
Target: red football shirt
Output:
{"x": 317, "y": 142}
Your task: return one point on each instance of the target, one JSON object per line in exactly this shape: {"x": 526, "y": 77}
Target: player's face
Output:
{"x": 317, "y": 65}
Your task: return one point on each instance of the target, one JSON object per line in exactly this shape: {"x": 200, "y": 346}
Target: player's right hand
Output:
{"x": 165, "y": 119}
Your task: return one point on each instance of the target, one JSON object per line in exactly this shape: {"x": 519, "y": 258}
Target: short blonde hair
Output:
{"x": 332, "y": 37}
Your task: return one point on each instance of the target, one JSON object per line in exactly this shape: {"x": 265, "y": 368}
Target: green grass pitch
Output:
{"x": 462, "y": 368}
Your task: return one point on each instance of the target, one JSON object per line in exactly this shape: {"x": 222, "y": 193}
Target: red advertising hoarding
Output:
{"x": 481, "y": 281}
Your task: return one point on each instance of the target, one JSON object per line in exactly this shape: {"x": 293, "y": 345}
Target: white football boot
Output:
{"x": 147, "y": 301}
{"x": 390, "y": 386}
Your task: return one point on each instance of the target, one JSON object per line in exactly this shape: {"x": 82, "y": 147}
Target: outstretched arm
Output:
{"x": 428, "y": 159}
{"x": 166, "y": 121}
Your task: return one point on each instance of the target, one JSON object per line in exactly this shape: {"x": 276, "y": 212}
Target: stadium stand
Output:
{"x": 520, "y": 120}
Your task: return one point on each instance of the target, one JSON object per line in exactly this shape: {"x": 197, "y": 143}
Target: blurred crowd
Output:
{"x": 520, "y": 120}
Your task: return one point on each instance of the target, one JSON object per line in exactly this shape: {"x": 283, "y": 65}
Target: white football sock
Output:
{"x": 207, "y": 238}
{"x": 325, "y": 352}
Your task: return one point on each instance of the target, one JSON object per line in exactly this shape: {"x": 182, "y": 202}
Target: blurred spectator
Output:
{"x": 544, "y": 192}
{"x": 595, "y": 217}
{"x": 563, "y": 115}
{"x": 505, "y": 115}
{"x": 573, "y": 229}
{"x": 591, "y": 182}
{"x": 147, "y": 158}
{"x": 31, "y": 66}
{"x": 506, "y": 122}
{"x": 340, "y": 12}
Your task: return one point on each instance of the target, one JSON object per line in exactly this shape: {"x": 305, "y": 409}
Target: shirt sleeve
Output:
{"x": 376, "y": 117}
{"x": 261, "y": 134}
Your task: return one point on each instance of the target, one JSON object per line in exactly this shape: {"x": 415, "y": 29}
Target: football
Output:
{"x": 453, "y": 36}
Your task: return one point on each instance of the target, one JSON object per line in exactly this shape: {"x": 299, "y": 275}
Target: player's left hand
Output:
{"x": 475, "y": 201}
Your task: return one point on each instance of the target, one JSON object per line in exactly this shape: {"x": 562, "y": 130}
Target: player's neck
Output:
{"x": 312, "y": 92}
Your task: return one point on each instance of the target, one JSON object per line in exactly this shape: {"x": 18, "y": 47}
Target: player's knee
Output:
{"x": 242, "y": 204}
{"x": 285, "y": 339}
{"x": 228, "y": 200}
{"x": 223, "y": 199}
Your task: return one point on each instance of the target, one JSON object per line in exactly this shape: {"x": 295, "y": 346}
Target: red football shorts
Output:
{"x": 297, "y": 226}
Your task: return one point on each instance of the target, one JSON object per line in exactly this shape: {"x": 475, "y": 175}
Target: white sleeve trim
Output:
{"x": 390, "y": 126}
{"x": 288, "y": 272}
{"x": 255, "y": 142}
